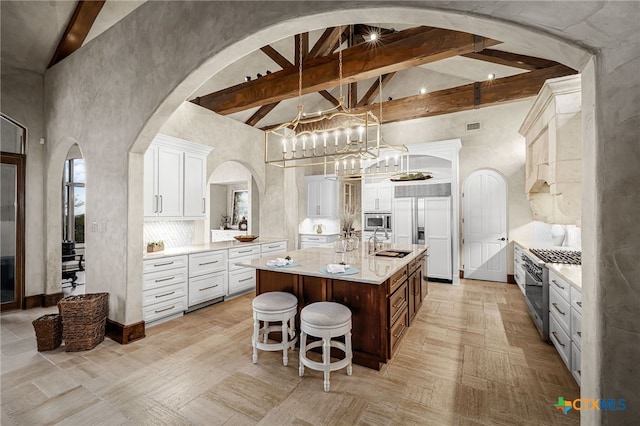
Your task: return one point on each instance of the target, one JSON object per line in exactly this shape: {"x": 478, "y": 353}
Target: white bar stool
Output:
{"x": 274, "y": 306}
{"x": 325, "y": 320}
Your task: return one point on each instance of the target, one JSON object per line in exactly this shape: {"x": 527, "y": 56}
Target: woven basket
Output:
{"x": 48, "y": 332}
{"x": 83, "y": 320}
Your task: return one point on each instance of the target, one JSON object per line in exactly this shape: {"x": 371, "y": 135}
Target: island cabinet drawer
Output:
{"x": 242, "y": 280}
{"x": 559, "y": 307}
{"x": 164, "y": 309}
{"x": 274, "y": 248}
{"x": 397, "y": 280}
{"x": 415, "y": 264}
{"x": 576, "y": 299}
{"x": 206, "y": 287}
{"x": 245, "y": 251}
{"x": 162, "y": 294}
{"x": 164, "y": 278}
{"x": 397, "y": 331}
{"x": 560, "y": 340}
{"x": 560, "y": 285}
{"x": 207, "y": 262}
{"x": 163, "y": 263}
{"x": 398, "y": 302}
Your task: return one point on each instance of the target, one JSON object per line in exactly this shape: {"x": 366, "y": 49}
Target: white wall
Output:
{"x": 497, "y": 145}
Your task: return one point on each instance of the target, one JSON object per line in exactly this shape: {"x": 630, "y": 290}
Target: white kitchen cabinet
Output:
{"x": 225, "y": 234}
{"x": 175, "y": 179}
{"x": 164, "y": 288}
{"x": 322, "y": 196}
{"x": 207, "y": 276}
{"x": 377, "y": 196}
{"x": 518, "y": 270}
{"x": 272, "y": 249}
{"x": 241, "y": 278}
{"x": 315, "y": 240}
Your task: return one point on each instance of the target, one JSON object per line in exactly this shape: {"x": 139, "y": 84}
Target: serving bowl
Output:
{"x": 245, "y": 238}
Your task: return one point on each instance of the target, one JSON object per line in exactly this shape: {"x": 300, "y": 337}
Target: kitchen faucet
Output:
{"x": 376, "y": 241}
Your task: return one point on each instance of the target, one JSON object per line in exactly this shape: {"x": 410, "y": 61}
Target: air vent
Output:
{"x": 473, "y": 126}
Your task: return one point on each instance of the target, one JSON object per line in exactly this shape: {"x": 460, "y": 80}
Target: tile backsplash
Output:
{"x": 542, "y": 235}
{"x": 177, "y": 233}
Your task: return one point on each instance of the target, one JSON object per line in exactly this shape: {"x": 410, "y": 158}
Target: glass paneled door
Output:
{"x": 12, "y": 230}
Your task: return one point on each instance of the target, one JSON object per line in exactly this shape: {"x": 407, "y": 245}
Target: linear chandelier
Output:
{"x": 325, "y": 137}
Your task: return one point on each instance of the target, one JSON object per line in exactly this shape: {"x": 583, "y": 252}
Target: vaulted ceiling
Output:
{"x": 424, "y": 71}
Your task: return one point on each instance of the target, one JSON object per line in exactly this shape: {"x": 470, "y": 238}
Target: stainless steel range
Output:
{"x": 537, "y": 282}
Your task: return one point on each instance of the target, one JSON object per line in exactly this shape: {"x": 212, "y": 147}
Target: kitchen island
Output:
{"x": 384, "y": 294}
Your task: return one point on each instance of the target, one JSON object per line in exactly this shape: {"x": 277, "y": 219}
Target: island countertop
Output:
{"x": 372, "y": 269}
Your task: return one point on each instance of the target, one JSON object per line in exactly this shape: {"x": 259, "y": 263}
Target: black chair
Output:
{"x": 72, "y": 263}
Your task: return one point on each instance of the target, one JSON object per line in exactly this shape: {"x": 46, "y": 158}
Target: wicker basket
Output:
{"x": 83, "y": 320}
{"x": 48, "y": 332}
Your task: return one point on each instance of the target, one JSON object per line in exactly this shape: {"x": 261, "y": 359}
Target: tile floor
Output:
{"x": 471, "y": 357}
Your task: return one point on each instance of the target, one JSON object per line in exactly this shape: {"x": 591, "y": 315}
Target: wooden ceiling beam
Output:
{"x": 77, "y": 29}
{"x": 328, "y": 96}
{"x": 304, "y": 40}
{"x": 462, "y": 98}
{"x": 260, "y": 114}
{"x": 327, "y": 42}
{"x": 397, "y": 51}
{"x": 374, "y": 90}
{"x": 514, "y": 60}
{"x": 276, "y": 57}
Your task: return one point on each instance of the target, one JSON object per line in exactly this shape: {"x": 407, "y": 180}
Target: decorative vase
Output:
{"x": 558, "y": 233}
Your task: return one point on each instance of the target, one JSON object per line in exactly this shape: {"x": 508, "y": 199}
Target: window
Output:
{"x": 73, "y": 200}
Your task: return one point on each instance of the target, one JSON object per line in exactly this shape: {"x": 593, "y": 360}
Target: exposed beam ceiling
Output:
{"x": 261, "y": 113}
{"x": 510, "y": 59}
{"x": 79, "y": 26}
{"x": 374, "y": 90}
{"x": 399, "y": 51}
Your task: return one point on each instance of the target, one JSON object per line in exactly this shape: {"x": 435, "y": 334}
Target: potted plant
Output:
{"x": 154, "y": 246}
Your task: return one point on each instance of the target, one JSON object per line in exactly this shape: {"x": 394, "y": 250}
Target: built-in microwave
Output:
{"x": 377, "y": 220}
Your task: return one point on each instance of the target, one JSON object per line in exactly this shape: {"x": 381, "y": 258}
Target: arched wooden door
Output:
{"x": 485, "y": 226}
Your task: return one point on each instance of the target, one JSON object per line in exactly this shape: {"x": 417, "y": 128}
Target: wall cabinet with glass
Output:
{"x": 175, "y": 179}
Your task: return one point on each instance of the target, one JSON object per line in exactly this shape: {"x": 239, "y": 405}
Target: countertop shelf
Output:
{"x": 220, "y": 245}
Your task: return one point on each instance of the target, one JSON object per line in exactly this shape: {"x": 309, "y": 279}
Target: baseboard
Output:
{"x": 51, "y": 299}
{"x": 124, "y": 334}
{"x": 511, "y": 279}
{"x": 30, "y": 302}
{"x": 461, "y": 273}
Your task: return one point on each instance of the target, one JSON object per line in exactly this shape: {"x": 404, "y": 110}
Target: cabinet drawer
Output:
{"x": 274, "y": 248}
{"x": 397, "y": 280}
{"x": 559, "y": 307}
{"x": 560, "y": 340}
{"x": 164, "y": 278}
{"x": 206, "y": 287}
{"x": 163, "y": 263}
{"x": 314, "y": 239}
{"x": 397, "y": 302}
{"x": 415, "y": 264}
{"x": 207, "y": 263}
{"x": 245, "y": 251}
{"x": 241, "y": 281}
{"x": 576, "y": 299}
{"x": 397, "y": 331}
{"x": 164, "y": 309}
{"x": 232, "y": 263}
{"x": 576, "y": 359}
{"x": 576, "y": 327}
{"x": 162, "y": 294}
{"x": 560, "y": 285}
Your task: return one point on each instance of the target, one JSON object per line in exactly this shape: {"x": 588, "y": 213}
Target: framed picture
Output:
{"x": 239, "y": 205}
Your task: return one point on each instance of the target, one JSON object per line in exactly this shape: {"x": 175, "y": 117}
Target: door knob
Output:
{"x": 502, "y": 239}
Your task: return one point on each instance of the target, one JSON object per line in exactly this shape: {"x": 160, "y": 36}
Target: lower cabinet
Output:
{"x": 415, "y": 291}
{"x": 316, "y": 240}
{"x": 398, "y": 309}
{"x": 242, "y": 279}
{"x": 164, "y": 288}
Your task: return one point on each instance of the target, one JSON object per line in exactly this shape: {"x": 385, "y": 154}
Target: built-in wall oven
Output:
{"x": 537, "y": 292}
{"x": 377, "y": 220}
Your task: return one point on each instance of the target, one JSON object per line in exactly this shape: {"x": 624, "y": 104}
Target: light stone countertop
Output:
{"x": 373, "y": 269}
{"x": 570, "y": 273}
{"x": 220, "y": 245}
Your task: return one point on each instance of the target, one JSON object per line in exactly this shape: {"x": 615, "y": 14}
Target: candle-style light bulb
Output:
{"x": 348, "y": 133}
{"x": 336, "y": 167}
{"x": 314, "y": 137}
{"x": 284, "y": 145}
{"x": 353, "y": 165}
{"x": 294, "y": 141}
{"x": 386, "y": 162}
{"x": 304, "y": 143}
{"x": 360, "y": 133}
{"x": 336, "y": 134}
{"x": 325, "y": 135}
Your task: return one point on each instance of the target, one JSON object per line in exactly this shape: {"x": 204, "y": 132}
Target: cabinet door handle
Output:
{"x": 155, "y": 265}
{"x": 245, "y": 279}
{"x": 245, "y": 251}
{"x": 164, "y": 279}
{"x": 273, "y": 246}
{"x": 579, "y": 373}
{"x": 579, "y": 304}
{"x": 155, "y": 204}
{"x": 166, "y": 294}
{"x": 161, "y": 204}
{"x": 401, "y": 332}
{"x": 558, "y": 285}
{"x": 207, "y": 263}
{"x": 557, "y": 340}
{"x": 318, "y": 209}
{"x": 558, "y": 309}
{"x": 207, "y": 288}
{"x": 397, "y": 305}
{"x": 203, "y": 205}
{"x": 165, "y": 309}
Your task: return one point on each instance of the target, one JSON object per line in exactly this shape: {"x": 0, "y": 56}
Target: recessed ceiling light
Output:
{"x": 423, "y": 91}
{"x": 491, "y": 76}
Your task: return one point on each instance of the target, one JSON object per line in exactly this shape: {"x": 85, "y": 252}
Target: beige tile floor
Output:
{"x": 472, "y": 357}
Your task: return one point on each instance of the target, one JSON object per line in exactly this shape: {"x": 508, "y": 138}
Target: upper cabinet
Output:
{"x": 322, "y": 196}
{"x": 175, "y": 179}
{"x": 377, "y": 196}
{"x": 553, "y": 134}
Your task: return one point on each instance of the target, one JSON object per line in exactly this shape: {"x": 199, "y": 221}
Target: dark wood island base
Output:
{"x": 381, "y": 313}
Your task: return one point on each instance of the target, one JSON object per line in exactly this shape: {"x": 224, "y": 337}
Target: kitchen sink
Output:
{"x": 393, "y": 253}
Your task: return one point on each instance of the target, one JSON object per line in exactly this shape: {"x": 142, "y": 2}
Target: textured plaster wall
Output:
{"x": 497, "y": 145}
{"x": 115, "y": 93}
{"x": 22, "y": 99}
